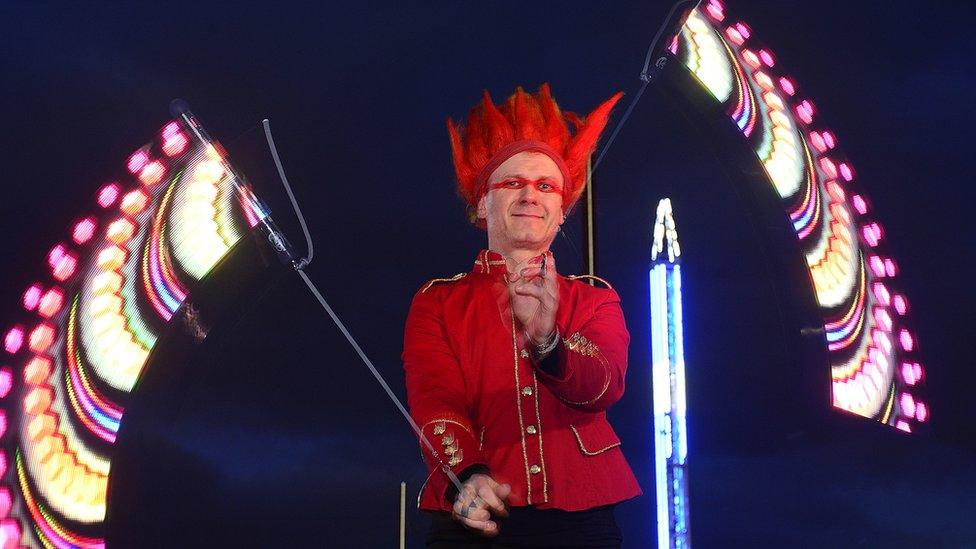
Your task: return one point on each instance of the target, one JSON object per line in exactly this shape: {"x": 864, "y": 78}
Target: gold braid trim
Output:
{"x": 583, "y": 447}
{"x": 591, "y": 278}
{"x": 458, "y": 276}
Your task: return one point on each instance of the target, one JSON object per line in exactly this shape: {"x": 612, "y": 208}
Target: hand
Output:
{"x": 535, "y": 299}
{"x": 480, "y": 499}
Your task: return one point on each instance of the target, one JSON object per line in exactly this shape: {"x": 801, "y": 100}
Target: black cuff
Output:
{"x": 463, "y": 476}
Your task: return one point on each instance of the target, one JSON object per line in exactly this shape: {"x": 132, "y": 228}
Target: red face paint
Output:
{"x": 543, "y": 185}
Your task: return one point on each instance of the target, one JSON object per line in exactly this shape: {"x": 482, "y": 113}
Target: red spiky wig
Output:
{"x": 525, "y": 122}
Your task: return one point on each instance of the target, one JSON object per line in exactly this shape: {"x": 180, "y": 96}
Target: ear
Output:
{"x": 482, "y": 210}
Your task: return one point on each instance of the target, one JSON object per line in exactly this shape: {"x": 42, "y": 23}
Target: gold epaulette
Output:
{"x": 589, "y": 277}
{"x": 430, "y": 283}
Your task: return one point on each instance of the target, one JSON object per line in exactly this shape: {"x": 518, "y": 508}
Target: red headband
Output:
{"x": 511, "y": 150}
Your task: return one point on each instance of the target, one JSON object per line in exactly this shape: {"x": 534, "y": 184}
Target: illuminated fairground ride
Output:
{"x": 834, "y": 258}
{"x": 737, "y": 88}
{"x": 87, "y": 327}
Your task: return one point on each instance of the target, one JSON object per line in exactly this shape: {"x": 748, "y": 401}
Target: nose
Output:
{"x": 529, "y": 195}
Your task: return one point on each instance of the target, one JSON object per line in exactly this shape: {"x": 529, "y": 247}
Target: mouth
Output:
{"x": 530, "y": 216}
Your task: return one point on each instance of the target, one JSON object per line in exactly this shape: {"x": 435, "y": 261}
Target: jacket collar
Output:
{"x": 491, "y": 262}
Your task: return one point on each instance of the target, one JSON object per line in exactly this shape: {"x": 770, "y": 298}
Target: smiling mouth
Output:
{"x": 527, "y": 215}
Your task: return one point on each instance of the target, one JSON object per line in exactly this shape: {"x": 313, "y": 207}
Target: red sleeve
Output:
{"x": 435, "y": 393}
{"x": 592, "y": 361}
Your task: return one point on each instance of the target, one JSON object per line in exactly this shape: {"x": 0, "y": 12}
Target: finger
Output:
{"x": 528, "y": 273}
{"x": 495, "y": 505}
{"x": 503, "y": 491}
{"x": 487, "y": 528}
{"x": 533, "y": 290}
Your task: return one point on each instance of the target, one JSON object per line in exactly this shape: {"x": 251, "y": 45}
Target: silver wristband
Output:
{"x": 541, "y": 351}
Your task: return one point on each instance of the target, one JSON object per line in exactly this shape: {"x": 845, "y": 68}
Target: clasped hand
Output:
{"x": 534, "y": 293}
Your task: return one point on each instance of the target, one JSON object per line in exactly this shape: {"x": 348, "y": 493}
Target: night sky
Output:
{"x": 358, "y": 96}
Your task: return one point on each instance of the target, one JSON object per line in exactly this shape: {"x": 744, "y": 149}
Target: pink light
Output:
{"x": 921, "y": 411}
{"x": 66, "y": 267}
{"x": 907, "y": 404}
{"x": 108, "y": 194}
{"x": 835, "y": 191}
{"x": 846, "y": 172}
{"x": 817, "y": 141}
{"x": 803, "y": 114}
{"x": 715, "y": 12}
{"x": 134, "y": 202}
{"x": 137, "y": 161}
{"x": 828, "y": 137}
{"x": 10, "y": 529}
{"x": 14, "y": 339}
{"x": 751, "y": 58}
{"x": 42, "y": 337}
{"x": 906, "y": 340}
{"x": 171, "y": 129}
{"x": 877, "y": 266}
{"x": 767, "y": 58}
{"x": 883, "y": 319}
{"x": 55, "y": 255}
{"x": 859, "y": 204}
{"x": 890, "y": 268}
{"x": 83, "y": 230}
{"x": 903, "y": 426}
{"x": 908, "y": 373}
{"x": 743, "y": 30}
{"x": 901, "y": 304}
{"x": 3, "y": 428}
{"x": 51, "y": 302}
{"x": 6, "y": 381}
{"x": 827, "y": 165}
{"x": 871, "y": 233}
{"x": 152, "y": 173}
{"x": 735, "y": 36}
{"x": 787, "y": 86}
{"x": 175, "y": 145}
{"x": 881, "y": 340}
{"x": 881, "y": 293}
{"x": 32, "y": 296}
{"x": 5, "y": 502}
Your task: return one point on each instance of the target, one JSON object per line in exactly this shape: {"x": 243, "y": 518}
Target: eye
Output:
{"x": 543, "y": 186}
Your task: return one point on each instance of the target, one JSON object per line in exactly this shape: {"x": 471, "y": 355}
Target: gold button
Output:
{"x": 524, "y": 353}
{"x": 527, "y": 391}
{"x": 535, "y": 469}
{"x": 530, "y": 429}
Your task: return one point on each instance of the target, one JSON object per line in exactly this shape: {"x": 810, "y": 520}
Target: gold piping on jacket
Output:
{"x": 583, "y": 448}
{"x": 589, "y": 277}
{"x": 458, "y": 276}
{"x": 518, "y": 402}
{"x": 574, "y": 343}
{"x": 538, "y": 422}
{"x": 481, "y": 439}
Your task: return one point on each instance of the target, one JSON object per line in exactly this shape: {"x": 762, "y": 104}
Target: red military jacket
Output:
{"x": 478, "y": 397}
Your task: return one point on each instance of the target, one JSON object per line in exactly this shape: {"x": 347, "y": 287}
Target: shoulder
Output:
{"x": 440, "y": 282}
{"x": 590, "y": 289}
{"x": 589, "y": 280}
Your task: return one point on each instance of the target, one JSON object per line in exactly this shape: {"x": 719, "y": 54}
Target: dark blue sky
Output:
{"x": 358, "y": 95}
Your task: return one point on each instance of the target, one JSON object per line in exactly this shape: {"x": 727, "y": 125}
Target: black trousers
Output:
{"x": 531, "y": 527}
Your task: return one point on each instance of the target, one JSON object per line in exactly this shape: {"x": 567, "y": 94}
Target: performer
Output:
{"x": 510, "y": 368}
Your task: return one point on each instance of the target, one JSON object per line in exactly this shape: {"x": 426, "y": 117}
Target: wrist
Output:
{"x": 542, "y": 349}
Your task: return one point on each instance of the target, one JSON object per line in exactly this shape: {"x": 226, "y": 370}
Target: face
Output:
{"x": 523, "y": 205}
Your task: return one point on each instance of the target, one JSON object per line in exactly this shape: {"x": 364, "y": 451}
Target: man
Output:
{"x": 510, "y": 368}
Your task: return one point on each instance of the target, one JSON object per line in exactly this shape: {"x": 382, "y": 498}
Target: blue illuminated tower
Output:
{"x": 668, "y": 381}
